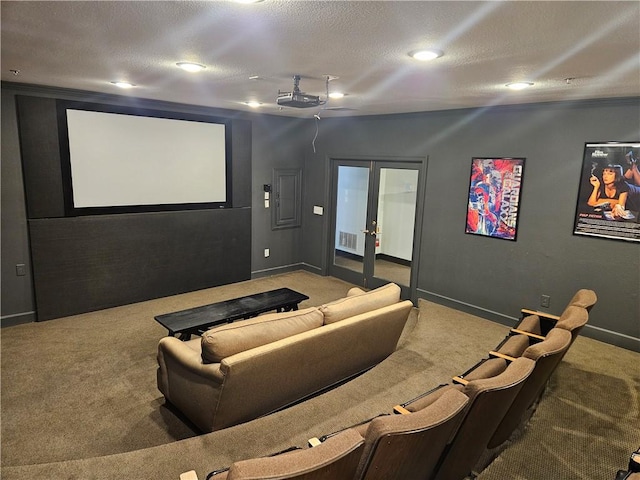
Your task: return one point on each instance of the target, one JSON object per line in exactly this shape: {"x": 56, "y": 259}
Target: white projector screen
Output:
{"x": 120, "y": 160}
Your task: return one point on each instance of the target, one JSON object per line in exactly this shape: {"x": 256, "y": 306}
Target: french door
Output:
{"x": 376, "y": 209}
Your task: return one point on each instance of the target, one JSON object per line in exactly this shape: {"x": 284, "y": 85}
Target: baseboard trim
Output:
{"x": 613, "y": 338}
{"x": 312, "y": 268}
{"x": 597, "y": 333}
{"x": 497, "y": 317}
{"x": 17, "y": 319}
{"x": 285, "y": 269}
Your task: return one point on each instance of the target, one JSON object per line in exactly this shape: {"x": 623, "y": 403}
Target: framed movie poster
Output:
{"x": 494, "y": 197}
{"x": 609, "y": 194}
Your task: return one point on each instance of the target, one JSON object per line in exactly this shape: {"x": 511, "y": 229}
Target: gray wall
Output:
{"x": 17, "y": 291}
{"x": 491, "y": 277}
{"x": 277, "y": 143}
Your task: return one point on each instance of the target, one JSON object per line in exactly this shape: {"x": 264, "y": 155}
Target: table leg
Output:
{"x": 288, "y": 308}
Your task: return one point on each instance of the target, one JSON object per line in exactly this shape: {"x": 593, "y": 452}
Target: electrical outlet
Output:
{"x": 545, "y": 301}
{"x": 266, "y": 252}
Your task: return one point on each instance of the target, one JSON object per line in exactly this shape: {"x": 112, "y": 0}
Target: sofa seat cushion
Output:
{"x": 357, "y": 304}
{"x": 230, "y": 339}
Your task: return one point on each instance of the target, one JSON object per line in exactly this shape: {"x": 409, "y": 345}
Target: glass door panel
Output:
{"x": 395, "y": 223}
{"x": 352, "y": 197}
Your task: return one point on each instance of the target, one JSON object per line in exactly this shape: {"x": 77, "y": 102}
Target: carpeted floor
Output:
{"x": 587, "y": 423}
{"x": 79, "y": 398}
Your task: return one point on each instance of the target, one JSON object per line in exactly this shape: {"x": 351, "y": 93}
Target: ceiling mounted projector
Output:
{"x": 296, "y": 98}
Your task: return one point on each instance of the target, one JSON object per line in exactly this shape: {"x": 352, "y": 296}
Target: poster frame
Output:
{"x": 598, "y": 220}
{"x": 503, "y": 215}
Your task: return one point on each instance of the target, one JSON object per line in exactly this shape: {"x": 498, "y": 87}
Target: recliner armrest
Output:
{"x": 460, "y": 380}
{"x": 509, "y": 358}
{"x": 401, "y": 410}
{"x": 525, "y": 311}
{"x": 422, "y": 395}
{"x": 313, "y": 442}
{"x": 190, "y": 475}
{"x": 528, "y": 334}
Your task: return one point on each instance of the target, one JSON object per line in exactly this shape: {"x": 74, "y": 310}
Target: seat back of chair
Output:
{"x": 490, "y": 399}
{"x": 408, "y": 447}
{"x": 573, "y": 319}
{"x": 547, "y": 355}
{"x": 584, "y": 298}
{"x": 335, "y": 459}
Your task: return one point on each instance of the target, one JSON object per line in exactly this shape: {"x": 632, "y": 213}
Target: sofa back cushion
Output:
{"x": 226, "y": 340}
{"x": 360, "y": 303}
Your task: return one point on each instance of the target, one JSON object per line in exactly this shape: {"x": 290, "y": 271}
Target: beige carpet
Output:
{"x": 79, "y": 398}
{"x": 586, "y": 425}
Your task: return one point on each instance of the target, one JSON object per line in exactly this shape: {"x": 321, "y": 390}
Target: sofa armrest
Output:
{"x": 188, "y": 357}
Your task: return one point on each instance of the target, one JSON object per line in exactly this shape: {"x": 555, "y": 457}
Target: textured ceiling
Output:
{"x": 86, "y": 45}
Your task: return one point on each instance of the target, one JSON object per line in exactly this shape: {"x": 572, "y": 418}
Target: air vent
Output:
{"x": 348, "y": 240}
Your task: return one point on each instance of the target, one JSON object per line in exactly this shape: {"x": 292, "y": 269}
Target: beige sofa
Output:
{"x": 241, "y": 371}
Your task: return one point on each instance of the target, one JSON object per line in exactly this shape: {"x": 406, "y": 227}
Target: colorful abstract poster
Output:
{"x": 609, "y": 194}
{"x": 494, "y": 197}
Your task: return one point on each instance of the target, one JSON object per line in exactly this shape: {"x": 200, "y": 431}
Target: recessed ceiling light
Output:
{"x": 191, "y": 67}
{"x": 253, "y": 104}
{"x": 519, "y": 85}
{"x": 336, "y": 95}
{"x": 123, "y": 84}
{"x": 426, "y": 55}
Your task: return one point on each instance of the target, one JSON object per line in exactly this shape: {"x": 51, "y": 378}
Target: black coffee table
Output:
{"x": 197, "y": 320}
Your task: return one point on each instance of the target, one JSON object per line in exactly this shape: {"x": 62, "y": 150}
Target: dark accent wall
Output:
{"x": 81, "y": 264}
{"x": 486, "y": 276}
{"x": 40, "y": 149}
{"x": 93, "y": 262}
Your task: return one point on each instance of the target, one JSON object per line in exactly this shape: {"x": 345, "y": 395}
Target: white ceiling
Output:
{"x": 86, "y": 45}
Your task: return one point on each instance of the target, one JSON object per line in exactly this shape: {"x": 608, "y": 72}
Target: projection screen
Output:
{"x": 118, "y": 160}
